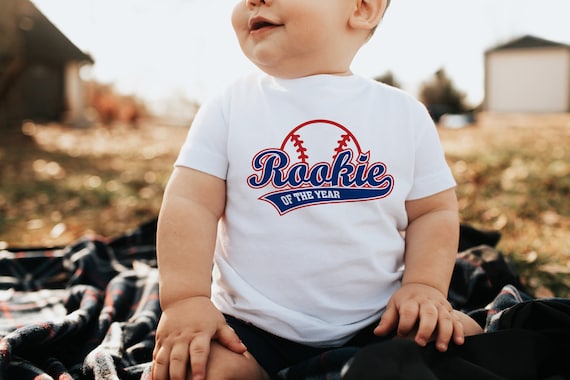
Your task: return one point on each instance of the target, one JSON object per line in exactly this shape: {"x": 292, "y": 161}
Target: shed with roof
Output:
{"x": 39, "y": 68}
{"x": 529, "y": 75}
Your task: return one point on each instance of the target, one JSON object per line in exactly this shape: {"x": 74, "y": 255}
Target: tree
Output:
{"x": 440, "y": 96}
{"x": 389, "y": 79}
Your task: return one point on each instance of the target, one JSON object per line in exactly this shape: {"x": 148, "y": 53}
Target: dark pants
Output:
{"x": 274, "y": 353}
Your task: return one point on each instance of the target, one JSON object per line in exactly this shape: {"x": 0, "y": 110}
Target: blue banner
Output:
{"x": 285, "y": 201}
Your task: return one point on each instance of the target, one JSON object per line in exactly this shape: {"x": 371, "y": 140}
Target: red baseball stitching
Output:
{"x": 342, "y": 143}
{"x": 298, "y": 143}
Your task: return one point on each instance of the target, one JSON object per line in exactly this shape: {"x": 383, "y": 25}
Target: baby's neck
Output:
{"x": 304, "y": 75}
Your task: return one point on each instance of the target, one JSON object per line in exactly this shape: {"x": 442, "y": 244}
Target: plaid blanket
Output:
{"x": 89, "y": 310}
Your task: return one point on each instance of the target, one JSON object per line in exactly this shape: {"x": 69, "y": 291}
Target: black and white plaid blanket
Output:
{"x": 89, "y": 310}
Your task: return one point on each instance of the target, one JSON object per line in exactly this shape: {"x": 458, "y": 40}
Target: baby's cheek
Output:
{"x": 239, "y": 18}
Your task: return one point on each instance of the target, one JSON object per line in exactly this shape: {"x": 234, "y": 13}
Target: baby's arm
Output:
{"x": 431, "y": 247}
{"x": 192, "y": 205}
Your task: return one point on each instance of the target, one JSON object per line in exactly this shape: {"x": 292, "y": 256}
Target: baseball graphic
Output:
{"x": 319, "y": 141}
{"x": 319, "y": 162}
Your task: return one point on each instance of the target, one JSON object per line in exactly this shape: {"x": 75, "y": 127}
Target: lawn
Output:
{"x": 516, "y": 179}
{"x": 59, "y": 184}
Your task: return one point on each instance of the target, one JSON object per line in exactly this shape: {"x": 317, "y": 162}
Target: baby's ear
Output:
{"x": 367, "y": 13}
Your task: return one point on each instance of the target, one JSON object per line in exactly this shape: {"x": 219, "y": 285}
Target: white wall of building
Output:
{"x": 528, "y": 80}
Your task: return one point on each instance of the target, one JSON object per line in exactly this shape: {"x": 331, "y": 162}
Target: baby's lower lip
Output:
{"x": 263, "y": 29}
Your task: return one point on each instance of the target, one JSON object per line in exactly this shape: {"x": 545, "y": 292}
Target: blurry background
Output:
{"x": 187, "y": 47}
{"x": 96, "y": 97}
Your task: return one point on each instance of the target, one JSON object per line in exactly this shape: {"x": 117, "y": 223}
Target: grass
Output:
{"x": 60, "y": 184}
{"x": 517, "y": 180}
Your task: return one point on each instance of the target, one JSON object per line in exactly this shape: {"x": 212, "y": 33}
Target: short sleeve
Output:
{"x": 431, "y": 171}
{"x": 205, "y": 148}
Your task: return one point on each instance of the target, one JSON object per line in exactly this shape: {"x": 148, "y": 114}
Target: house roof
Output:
{"x": 43, "y": 41}
{"x": 528, "y": 42}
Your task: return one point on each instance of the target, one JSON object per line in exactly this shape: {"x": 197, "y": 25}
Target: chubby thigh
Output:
{"x": 226, "y": 364}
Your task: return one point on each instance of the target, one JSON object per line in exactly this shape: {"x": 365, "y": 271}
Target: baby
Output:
{"x": 321, "y": 199}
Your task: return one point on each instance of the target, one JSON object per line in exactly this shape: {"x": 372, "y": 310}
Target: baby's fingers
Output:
{"x": 170, "y": 363}
{"x": 388, "y": 322}
{"x": 228, "y": 338}
{"x": 446, "y": 328}
{"x": 199, "y": 352}
{"x": 178, "y": 362}
{"x": 428, "y": 322}
{"x": 161, "y": 361}
{"x": 409, "y": 315}
{"x": 460, "y": 330}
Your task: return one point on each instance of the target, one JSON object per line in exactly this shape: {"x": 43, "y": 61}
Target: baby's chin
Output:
{"x": 281, "y": 72}
{"x": 277, "y": 64}
{"x": 293, "y": 73}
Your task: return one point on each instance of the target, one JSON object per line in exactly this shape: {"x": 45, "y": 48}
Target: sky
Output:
{"x": 163, "y": 49}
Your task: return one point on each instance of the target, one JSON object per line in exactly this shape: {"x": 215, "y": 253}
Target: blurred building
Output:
{"x": 528, "y": 74}
{"x": 39, "y": 68}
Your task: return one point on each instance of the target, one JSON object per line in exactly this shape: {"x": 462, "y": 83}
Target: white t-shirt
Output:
{"x": 318, "y": 170}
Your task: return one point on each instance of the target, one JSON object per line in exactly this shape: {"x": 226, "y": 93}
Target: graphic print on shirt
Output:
{"x": 319, "y": 162}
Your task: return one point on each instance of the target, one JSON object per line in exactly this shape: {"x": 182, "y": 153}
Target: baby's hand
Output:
{"x": 183, "y": 337}
{"x": 423, "y": 311}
